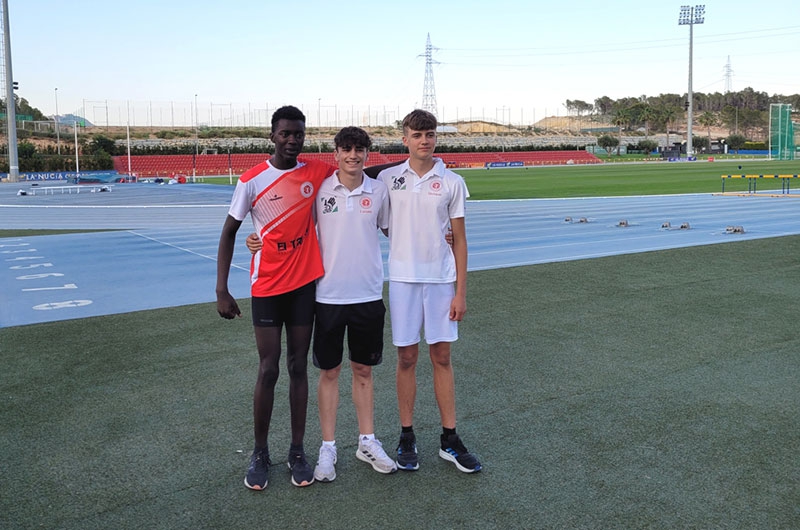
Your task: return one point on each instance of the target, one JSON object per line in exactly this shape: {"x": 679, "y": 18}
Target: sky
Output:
{"x": 147, "y": 62}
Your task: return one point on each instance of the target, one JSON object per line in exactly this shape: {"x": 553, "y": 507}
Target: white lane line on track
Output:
{"x": 183, "y": 249}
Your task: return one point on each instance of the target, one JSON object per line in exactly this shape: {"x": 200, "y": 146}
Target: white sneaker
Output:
{"x": 325, "y": 470}
{"x": 371, "y": 452}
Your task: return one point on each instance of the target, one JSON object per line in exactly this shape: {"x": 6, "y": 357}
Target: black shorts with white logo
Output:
{"x": 364, "y": 325}
{"x": 295, "y": 308}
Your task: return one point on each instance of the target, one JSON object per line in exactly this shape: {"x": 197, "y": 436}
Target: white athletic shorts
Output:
{"x": 414, "y": 305}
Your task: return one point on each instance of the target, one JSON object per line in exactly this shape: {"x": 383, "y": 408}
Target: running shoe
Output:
{"x": 257, "y": 472}
{"x": 302, "y": 475}
{"x": 371, "y": 452}
{"x": 407, "y": 458}
{"x": 453, "y": 450}
{"x": 325, "y": 470}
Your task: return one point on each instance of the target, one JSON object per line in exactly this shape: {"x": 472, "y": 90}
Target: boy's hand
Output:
{"x": 253, "y": 243}
{"x": 227, "y": 306}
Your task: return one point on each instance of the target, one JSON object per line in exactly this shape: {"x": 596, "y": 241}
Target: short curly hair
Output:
{"x": 287, "y": 113}
{"x": 352, "y": 137}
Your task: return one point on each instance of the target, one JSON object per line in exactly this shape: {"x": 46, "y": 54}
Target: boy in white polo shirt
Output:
{"x": 427, "y": 281}
{"x": 349, "y": 210}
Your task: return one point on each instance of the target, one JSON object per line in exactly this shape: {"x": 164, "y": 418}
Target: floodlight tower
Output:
{"x": 429, "y": 90}
{"x": 690, "y": 15}
{"x": 11, "y": 115}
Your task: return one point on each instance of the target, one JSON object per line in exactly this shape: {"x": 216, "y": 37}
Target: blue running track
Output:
{"x": 163, "y": 248}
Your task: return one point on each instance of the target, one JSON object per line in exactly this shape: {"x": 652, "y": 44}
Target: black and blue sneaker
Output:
{"x": 453, "y": 450}
{"x": 258, "y": 471}
{"x": 302, "y": 474}
{"x": 407, "y": 458}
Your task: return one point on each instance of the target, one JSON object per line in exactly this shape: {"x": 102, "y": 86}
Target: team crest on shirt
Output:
{"x": 435, "y": 187}
{"x": 366, "y": 203}
{"x": 307, "y": 189}
{"x": 329, "y": 205}
{"x": 398, "y": 183}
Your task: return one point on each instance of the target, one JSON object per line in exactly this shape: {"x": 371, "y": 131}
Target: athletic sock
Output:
{"x": 408, "y": 429}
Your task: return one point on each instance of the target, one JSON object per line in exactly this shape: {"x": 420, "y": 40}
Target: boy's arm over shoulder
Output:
{"x": 372, "y": 171}
{"x": 320, "y": 169}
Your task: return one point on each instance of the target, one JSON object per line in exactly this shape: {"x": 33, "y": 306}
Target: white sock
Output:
{"x": 331, "y": 443}
{"x": 366, "y": 437}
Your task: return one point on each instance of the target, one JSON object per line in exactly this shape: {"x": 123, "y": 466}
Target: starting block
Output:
{"x": 734, "y": 230}
{"x": 667, "y": 226}
{"x": 578, "y": 220}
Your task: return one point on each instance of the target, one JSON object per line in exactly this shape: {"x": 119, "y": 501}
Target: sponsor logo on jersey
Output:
{"x": 398, "y": 183}
{"x": 329, "y": 205}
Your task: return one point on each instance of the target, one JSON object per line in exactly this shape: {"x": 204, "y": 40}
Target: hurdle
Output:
{"x": 752, "y": 181}
{"x": 51, "y": 190}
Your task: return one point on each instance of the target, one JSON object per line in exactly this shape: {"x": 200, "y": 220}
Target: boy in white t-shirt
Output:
{"x": 349, "y": 210}
{"x": 427, "y": 281}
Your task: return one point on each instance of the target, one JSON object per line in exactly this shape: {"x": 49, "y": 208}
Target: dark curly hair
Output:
{"x": 352, "y": 137}
{"x": 287, "y": 113}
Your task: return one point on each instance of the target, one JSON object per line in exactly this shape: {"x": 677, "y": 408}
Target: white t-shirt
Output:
{"x": 347, "y": 224}
{"x": 421, "y": 209}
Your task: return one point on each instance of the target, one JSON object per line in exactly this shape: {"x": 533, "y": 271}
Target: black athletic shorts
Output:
{"x": 295, "y": 308}
{"x": 364, "y": 324}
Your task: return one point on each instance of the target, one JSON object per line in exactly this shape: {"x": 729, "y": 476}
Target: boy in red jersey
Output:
{"x": 279, "y": 195}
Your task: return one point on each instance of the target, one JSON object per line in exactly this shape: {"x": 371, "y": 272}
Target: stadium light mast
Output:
{"x": 11, "y": 112}
{"x": 690, "y": 15}
{"x": 196, "y": 140}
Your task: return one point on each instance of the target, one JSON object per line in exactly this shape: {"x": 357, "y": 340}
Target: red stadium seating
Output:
{"x": 168, "y": 165}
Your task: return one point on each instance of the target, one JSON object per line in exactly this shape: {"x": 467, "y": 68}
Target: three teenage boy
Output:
{"x": 291, "y": 306}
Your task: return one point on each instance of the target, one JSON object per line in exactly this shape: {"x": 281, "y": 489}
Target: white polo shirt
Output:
{"x": 347, "y": 224}
{"x": 421, "y": 209}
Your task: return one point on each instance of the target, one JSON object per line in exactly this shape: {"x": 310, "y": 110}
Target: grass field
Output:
{"x": 656, "y": 390}
{"x": 605, "y": 180}
{"x": 619, "y": 179}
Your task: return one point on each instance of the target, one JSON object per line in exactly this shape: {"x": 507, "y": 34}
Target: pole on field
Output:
{"x": 690, "y": 15}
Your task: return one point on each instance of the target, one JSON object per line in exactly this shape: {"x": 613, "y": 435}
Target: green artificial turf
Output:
{"x": 654, "y": 390}
{"x": 616, "y": 179}
{"x": 621, "y": 179}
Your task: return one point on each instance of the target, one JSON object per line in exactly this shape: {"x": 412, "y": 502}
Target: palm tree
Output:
{"x": 668, "y": 113}
{"x": 622, "y": 117}
{"x": 708, "y": 119}
{"x": 646, "y": 114}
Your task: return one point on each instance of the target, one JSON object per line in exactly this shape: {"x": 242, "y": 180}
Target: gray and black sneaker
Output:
{"x": 302, "y": 474}
{"x": 407, "y": 458}
{"x": 453, "y": 450}
{"x": 258, "y": 471}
